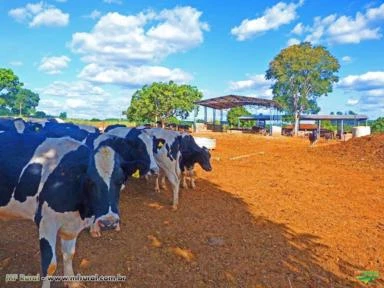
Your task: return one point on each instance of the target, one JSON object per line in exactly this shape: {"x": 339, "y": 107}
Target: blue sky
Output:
{"x": 88, "y": 57}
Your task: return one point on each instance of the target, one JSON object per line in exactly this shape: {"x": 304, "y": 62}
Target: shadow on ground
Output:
{"x": 211, "y": 241}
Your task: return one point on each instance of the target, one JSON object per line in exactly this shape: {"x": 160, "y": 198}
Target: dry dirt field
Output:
{"x": 284, "y": 215}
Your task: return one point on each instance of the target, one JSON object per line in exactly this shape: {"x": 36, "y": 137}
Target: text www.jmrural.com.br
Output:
{"x": 74, "y": 278}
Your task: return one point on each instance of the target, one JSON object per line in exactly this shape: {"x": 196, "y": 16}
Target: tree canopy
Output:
{"x": 25, "y": 102}
{"x": 302, "y": 73}
{"x": 378, "y": 125}
{"x": 14, "y": 99}
{"x": 234, "y": 114}
{"x": 162, "y": 101}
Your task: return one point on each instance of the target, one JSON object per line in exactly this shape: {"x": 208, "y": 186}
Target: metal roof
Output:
{"x": 261, "y": 117}
{"x": 230, "y": 101}
{"x": 333, "y": 117}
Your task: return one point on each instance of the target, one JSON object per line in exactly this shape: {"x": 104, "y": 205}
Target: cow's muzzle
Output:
{"x": 107, "y": 222}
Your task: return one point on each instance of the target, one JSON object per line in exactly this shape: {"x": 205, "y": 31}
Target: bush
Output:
{"x": 378, "y": 125}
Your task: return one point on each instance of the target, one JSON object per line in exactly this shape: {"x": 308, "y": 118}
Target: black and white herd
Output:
{"x": 68, "y": 177}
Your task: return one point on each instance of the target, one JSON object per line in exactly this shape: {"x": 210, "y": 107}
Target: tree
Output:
{"x": 302, "y": 73}
{"x": 161, "y": 101}
{"x": 63, "y": 115}
{"x": 40, "y": 114}
{"x": 234, "y": 114}
{"x": 14, "y": 99}
{"x": 378, "y": 125}
{"x": 25, "y": 102}
{"x": 9, "y": 85}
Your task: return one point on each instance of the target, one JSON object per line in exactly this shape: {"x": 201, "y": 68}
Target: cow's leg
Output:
{"x": 192, "y": 177}
{"x": 162, "y": 182}
{"x": 157, "y": 188}
{"x": 184, "y": 179}
{"x": 175, "y": 183}
{"x": 47, "y": 237}
{"x": 68, "y": 248}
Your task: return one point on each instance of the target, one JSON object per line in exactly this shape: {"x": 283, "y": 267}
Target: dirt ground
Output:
{"x": 274, "y": 212}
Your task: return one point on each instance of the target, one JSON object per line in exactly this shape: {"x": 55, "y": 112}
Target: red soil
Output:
{"x": 282, "y": 215}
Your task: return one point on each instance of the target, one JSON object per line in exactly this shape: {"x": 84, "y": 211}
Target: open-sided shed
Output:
{"x": 230, "y": 101}
{"x": 338, "y": 118}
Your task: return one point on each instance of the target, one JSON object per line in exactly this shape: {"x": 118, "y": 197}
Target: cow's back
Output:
{"x": 15, "y": 152}
{"x": 32, "y": 164}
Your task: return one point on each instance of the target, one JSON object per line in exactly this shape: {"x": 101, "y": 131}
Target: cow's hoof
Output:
{"x": 174, "y": 207}
{"x": 95, "y": 234}
{"x": 157, "y": 190}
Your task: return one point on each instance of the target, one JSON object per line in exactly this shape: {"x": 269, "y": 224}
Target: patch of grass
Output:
{"x": 368, "y": 277}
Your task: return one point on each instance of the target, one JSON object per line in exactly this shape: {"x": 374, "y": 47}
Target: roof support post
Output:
{"x": 213, "y": 116}
{"x": 270, "y": 121}
{"x": 205, "y": 114}
{"x": 318, "y": 127}
{"x": 342, "y": 129}
{"x": 221, "y": 116}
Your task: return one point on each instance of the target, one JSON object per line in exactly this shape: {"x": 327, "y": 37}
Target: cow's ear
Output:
{"x": 158, "y": 143}
{"x": 131, "y": 167}
{"x": 127, "y": 167}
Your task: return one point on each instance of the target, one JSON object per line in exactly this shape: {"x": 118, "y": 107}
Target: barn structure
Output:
{"x": 230, "y": 101}
{"x": 339, "y": 119}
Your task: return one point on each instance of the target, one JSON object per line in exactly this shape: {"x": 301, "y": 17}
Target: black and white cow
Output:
{"x": 64, "y": 187}
{"x": 168, "y": 158}
{"x": 83, "y": 133}
{"x": 113, "y": 126}
{"x": 136, "y": 135}
{"x": 179, "y": 154}
{"x": 18, "y": 125}
{"x": 191, "y": 154}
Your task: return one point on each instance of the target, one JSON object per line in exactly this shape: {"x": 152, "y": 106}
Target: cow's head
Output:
{"x": 204, "y": 159}
{"x": 137, "y": 145}
{"x": 151, "y": 144}
{"x": 194, "y": 154}
{"x": 106, "y": 174}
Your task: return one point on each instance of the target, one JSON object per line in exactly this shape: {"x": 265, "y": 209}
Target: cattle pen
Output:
{"x": 271, "y": 219}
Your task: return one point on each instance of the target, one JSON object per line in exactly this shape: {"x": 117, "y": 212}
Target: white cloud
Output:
{"x": 119, "y": 39}
{"x": 298, "y": 29}
{"x": 95, "y": 14}
{"x": 133, "y": 76}
{"x": 346, "y": 59}
{"x": 40, "y": 14}
{"x": 16, "y": 63}
{"x": 81, "y": 99}
{"x": 364, "y": 82}
{"x": 113, "y": 1}
{"x": 369, "y": 86}
{"x": 293, "y": 41}
{"x": 343, "y": 29}
{"x": 352, "y": 102}
{"x": 274, "y": 17}
{"x": 79, "y": 89}
{"x": 257, "y": 84}
{"x": 54, "y": 65}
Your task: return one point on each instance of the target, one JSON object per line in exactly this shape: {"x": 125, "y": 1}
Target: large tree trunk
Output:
{"x": 296, "y": 128}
